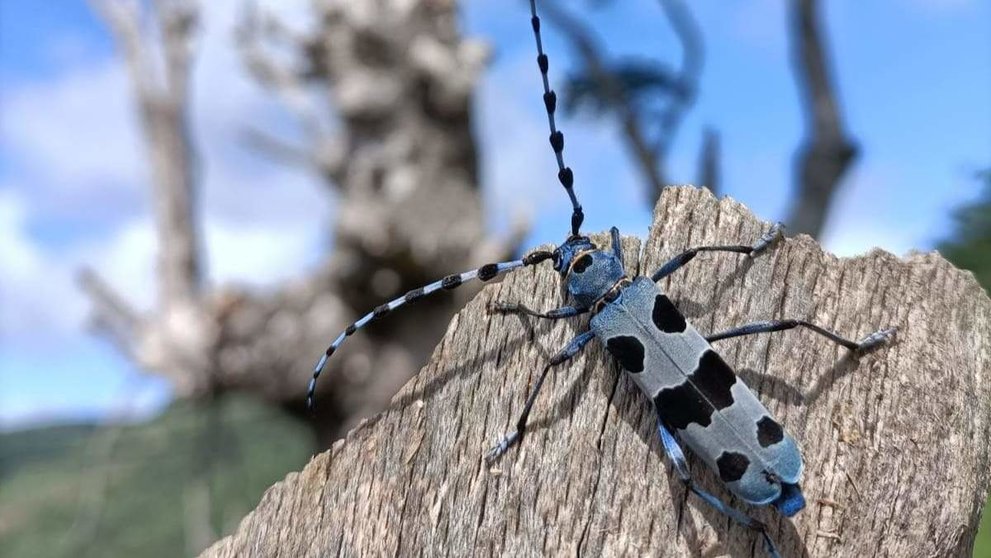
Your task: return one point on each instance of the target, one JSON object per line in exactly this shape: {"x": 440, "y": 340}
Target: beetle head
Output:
{"x": 565, "y": 253}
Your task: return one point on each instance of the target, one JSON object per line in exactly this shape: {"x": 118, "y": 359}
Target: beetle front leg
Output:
{"x": 565, "y": 354}
{"x": 517, "y": 308}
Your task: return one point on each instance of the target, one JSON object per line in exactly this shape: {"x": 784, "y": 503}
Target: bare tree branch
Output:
{"x": 177, "y": 21}
{"x": 278, "y": 149}
{"x": 123, "y": 18}
{"x": 111, "y": 313}
{"x": 162, "y": 100}
{"x": 827, "y": 149}
{"x": 692, "y": 59}
{"x": 284, "y": 77}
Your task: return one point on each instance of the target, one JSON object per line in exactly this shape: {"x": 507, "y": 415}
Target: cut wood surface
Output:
{"x": 896, "y": 444}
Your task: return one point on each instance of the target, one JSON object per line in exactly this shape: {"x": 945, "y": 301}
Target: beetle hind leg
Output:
{"x": 677, "y": 457}
{"x": 866, "y": 344}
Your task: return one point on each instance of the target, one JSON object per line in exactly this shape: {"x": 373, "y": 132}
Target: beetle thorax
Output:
{"x": 591, "y": 274}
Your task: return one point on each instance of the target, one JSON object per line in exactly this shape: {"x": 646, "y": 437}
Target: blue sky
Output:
{"x": 914, "y": 77}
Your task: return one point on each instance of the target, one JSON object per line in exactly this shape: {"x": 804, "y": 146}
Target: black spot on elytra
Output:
{"x": 414, "y": 295}
{"x": 705, "y": 391}
{"x": 682, "y": 405}
{"x": 769, "y": 432}
{"x": 714, "y": 378}
{"x": 628, "y": 351}
{"x": 451, "y": 281}
{"x": 488, "y": 271}
{"x": 732, "y": 466}
{"x": 666, "y": 317}
{"x": 582, "y": 263}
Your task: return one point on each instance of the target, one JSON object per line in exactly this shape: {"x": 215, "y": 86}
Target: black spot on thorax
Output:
{"x": 582, "y": 263}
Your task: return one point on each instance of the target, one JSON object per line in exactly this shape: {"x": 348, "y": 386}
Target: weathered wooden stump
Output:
{"x": 896, "y": 445}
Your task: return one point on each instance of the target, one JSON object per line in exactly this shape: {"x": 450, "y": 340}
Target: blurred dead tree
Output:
{"x": 401, "y": 164}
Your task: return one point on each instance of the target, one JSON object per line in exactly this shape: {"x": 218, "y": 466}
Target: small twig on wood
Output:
{"x": 709, "y": 161}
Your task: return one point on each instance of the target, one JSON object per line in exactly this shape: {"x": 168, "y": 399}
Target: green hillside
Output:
{"x": 145, "y": 490}
{"x": 969, "y": 247}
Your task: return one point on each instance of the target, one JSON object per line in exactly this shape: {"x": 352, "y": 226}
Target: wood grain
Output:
{"x": 896, "y": 445}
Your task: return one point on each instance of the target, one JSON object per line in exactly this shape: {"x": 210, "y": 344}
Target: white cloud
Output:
{"x": 872, "y": 209}
{"x": 75, "y": 142}
{"x": 257, "y": 256}
{"x": 77, "y": 128}
{"x": 37, "y": 298}
{"x": 126, "y": 261}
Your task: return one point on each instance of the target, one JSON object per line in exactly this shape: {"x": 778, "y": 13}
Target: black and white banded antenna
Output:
{"x": 564, "y": 173}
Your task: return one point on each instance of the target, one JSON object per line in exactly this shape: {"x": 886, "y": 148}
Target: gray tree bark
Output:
{"x": 895, "y": 443}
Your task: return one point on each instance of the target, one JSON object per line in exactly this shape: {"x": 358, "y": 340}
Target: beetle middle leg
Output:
{"x": 867, "y": 343}
{"x": 565, "y": 354}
